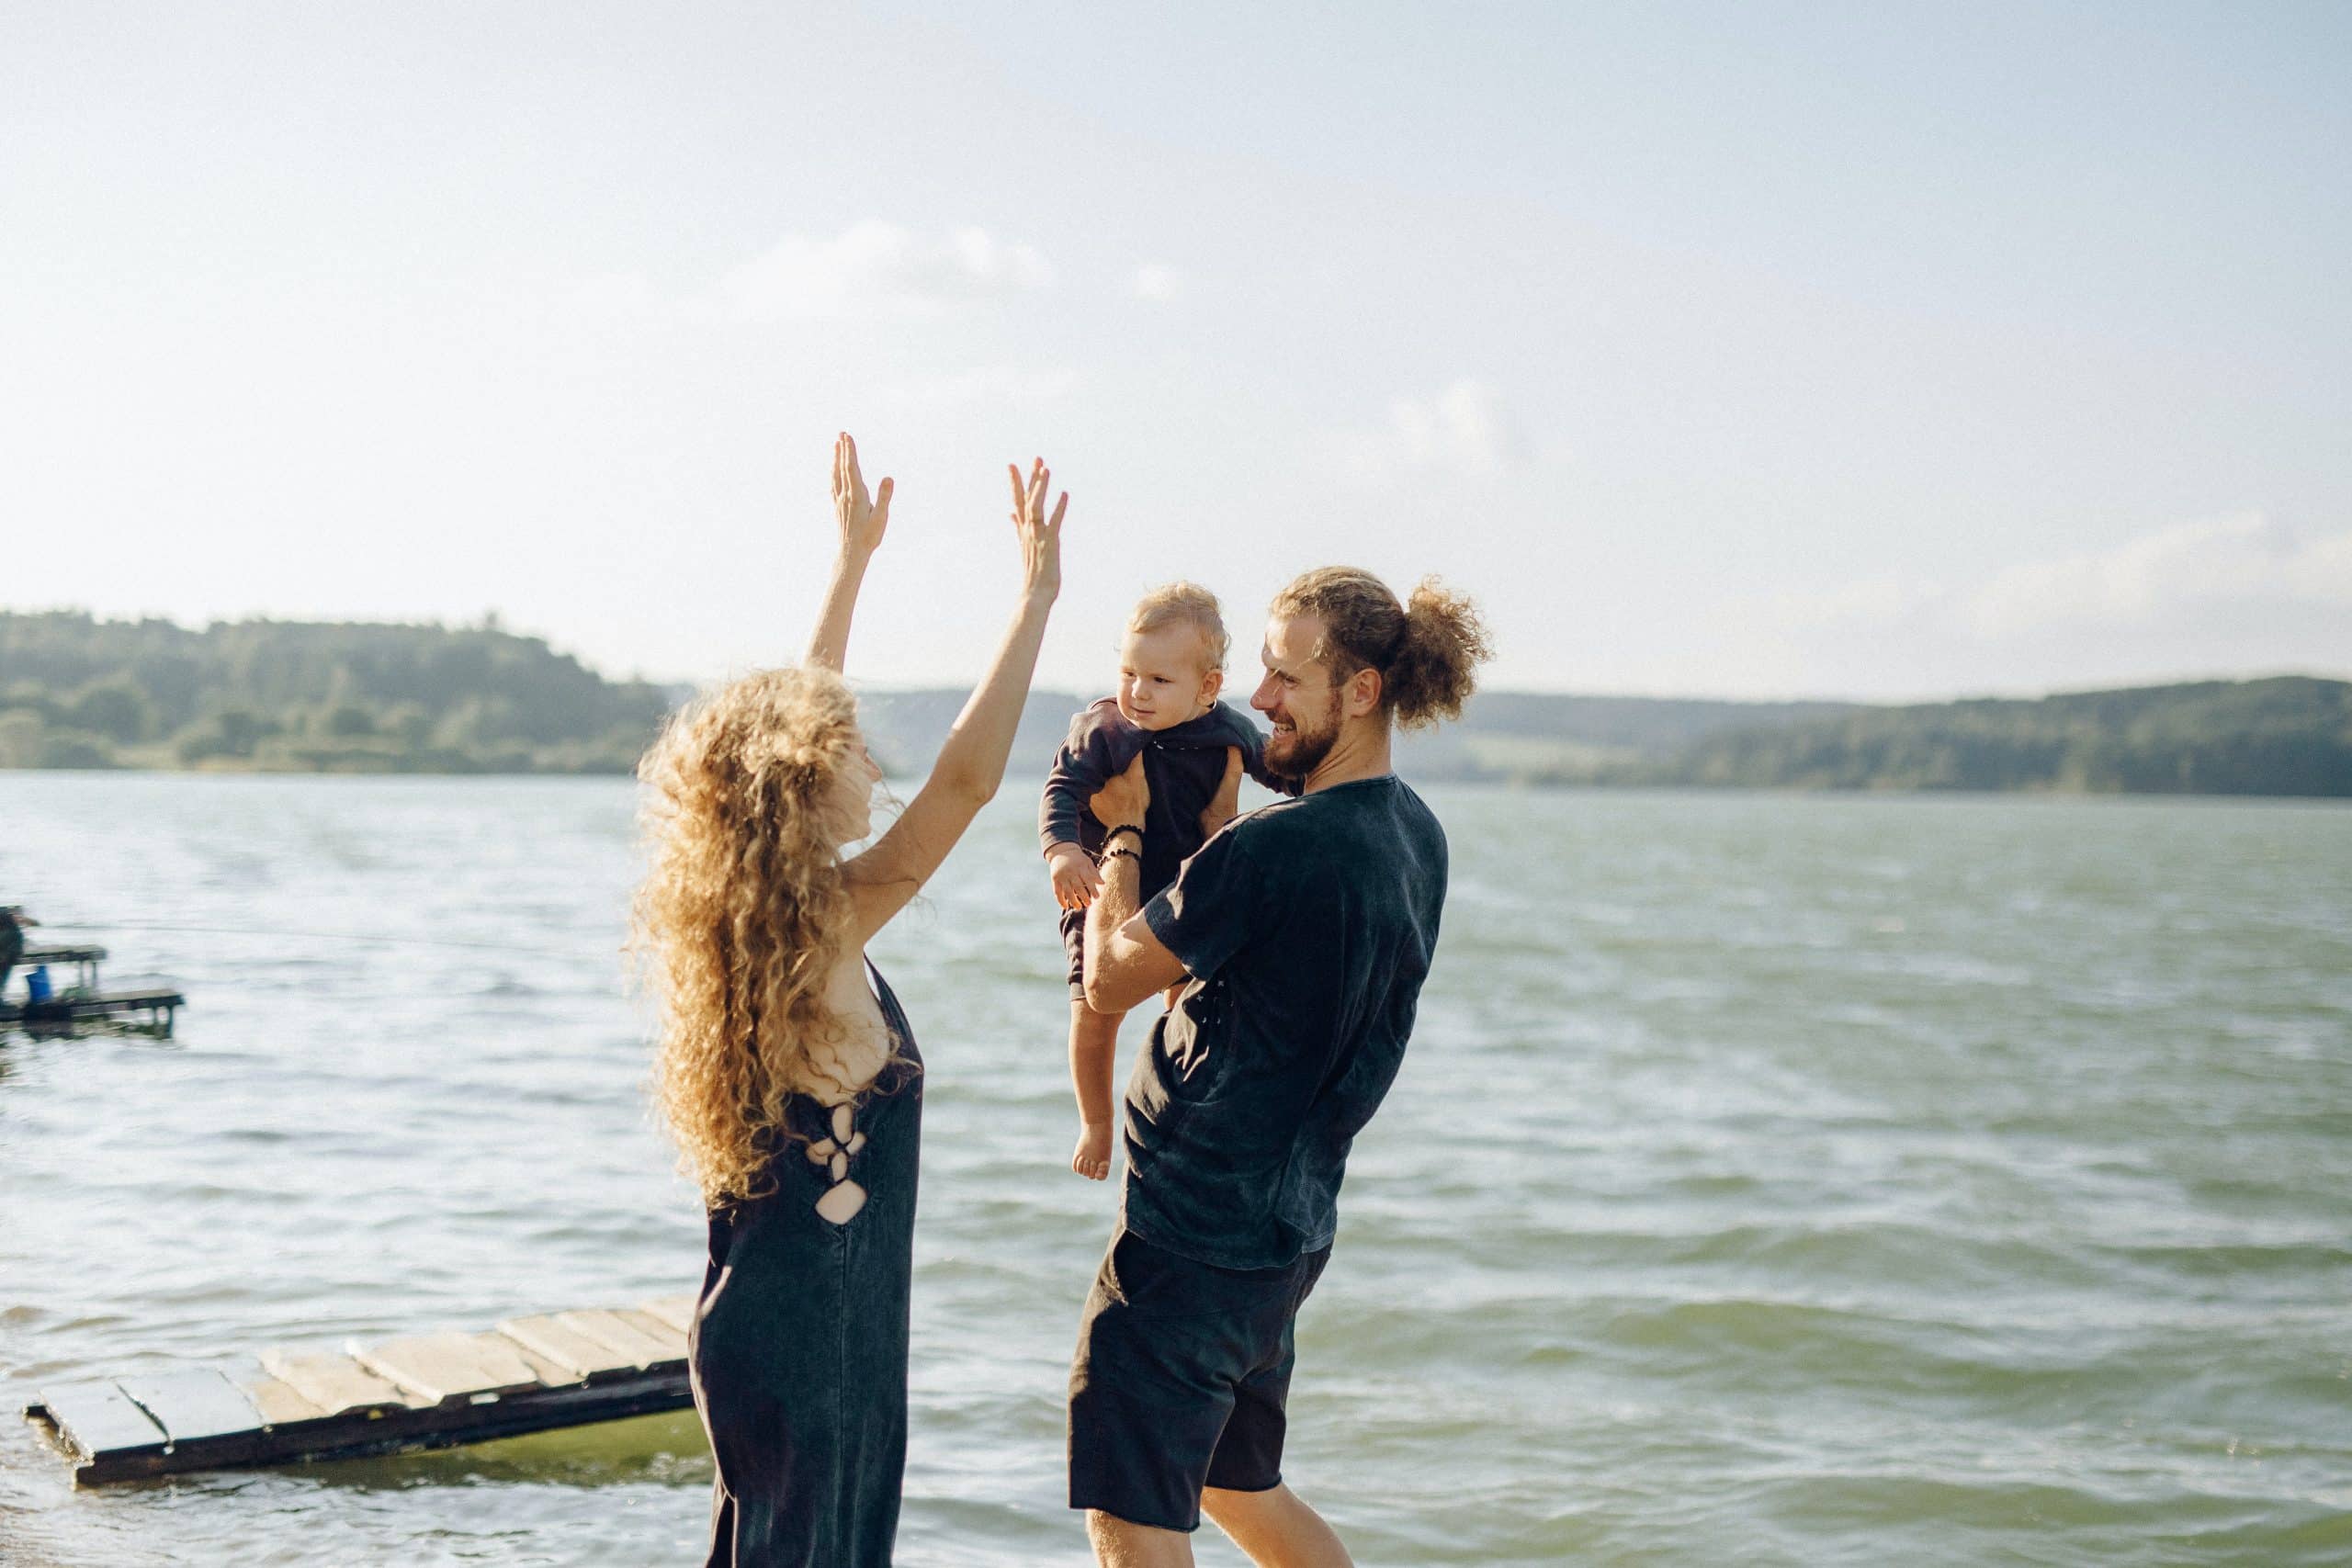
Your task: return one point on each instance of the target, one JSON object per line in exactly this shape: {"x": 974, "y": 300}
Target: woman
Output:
{"x": 786, "y": 1071}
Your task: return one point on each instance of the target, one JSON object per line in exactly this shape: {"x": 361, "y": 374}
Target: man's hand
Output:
{"x": 863, "y": 517}
{"x": 1122, "y": 802}
{"x": 1075, "y": 881}
{"x": 1226, "y": 804}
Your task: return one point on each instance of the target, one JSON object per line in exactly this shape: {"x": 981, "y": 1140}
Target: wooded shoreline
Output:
{"x": 285, "y": 697}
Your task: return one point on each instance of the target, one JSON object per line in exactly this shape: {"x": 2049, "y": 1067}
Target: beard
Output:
{"x": 1301, "y": 751}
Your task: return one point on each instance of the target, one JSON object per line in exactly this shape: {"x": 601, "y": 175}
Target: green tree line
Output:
{"x": 286, "y": 696}
{"x": 2289, "y": 735}
{"x": 76, "y": 692}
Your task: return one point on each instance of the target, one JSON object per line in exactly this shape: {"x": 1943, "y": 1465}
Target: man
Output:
{"x": 12, "y": 922}
{"x": 1301, "y": 934}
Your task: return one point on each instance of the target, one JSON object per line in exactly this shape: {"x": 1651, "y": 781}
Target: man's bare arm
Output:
{"x": 1124, "y": 961}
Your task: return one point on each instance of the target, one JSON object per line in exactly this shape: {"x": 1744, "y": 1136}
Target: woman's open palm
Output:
{"x": 1041, "y": 536}
{"x": 863, "y": 517}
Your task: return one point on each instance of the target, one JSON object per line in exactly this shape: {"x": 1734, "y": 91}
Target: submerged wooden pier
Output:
{"x": 529, "y": 1374}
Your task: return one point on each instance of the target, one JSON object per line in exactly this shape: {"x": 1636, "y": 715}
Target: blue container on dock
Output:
{"x": 37, "y": 987}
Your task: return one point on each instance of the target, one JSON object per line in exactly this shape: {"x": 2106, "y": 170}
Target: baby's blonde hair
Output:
{"x": 1185, "y": 603}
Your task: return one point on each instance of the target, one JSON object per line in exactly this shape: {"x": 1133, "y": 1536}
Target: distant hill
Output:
{"x": 1518, "y": 737}
{"x": 2290, "y": 735}
{"x": 303, "y": 696}
{"x": 300, "y": 696}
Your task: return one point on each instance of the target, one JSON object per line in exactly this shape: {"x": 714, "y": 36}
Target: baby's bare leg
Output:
{"x": 1093, "y": 1047}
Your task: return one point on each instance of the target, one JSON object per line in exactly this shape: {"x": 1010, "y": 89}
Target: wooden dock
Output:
{"x": 529, "y": 1375}
{"x": 149, "y": 1008}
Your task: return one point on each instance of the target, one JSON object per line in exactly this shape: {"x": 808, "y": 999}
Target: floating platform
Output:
{"x": 433, "y": 1390}
{"x": 149, "y": 1008}
{"x": 152, "y": 1009}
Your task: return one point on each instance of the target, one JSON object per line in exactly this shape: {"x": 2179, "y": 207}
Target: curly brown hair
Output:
{"x": 1428, "y": 650}
{"x": 741, "y": 916}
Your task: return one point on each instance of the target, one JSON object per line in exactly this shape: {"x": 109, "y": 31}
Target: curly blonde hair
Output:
{"x": 1188, "y": 604}
{"x": 741, "y": 916}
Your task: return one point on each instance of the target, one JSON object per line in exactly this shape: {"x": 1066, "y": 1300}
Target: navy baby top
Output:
{"x": 1184, "y": 764}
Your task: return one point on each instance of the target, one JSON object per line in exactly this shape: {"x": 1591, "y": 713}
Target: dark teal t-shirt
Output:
{"x": 1306, "y": 927}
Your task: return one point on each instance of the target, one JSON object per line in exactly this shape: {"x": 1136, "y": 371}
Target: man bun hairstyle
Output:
{"x": 1190, "y": 605}
{"x": 1427, "y": 650}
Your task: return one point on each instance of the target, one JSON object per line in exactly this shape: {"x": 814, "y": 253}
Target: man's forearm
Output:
{"x": 1118, "y": 901}
{"x": 1119, "y": 897}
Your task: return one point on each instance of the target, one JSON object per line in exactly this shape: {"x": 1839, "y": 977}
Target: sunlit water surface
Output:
{"x": 1771, "y": 1180}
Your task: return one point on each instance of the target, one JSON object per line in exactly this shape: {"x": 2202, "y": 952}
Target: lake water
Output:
{"x": 1771, "y": 1180}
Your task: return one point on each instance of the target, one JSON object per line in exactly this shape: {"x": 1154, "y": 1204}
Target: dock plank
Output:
{"x": 334, "y": 1383}
{"x": 99, "y": 1417}
{"x": 678, "y": 1311}
{"x": 668, "y": 1336}
{"x": 63, "y": 952}
{"x": 551, "y": 1374}
{"x": 443, "y": 1367}
{"x": 637, "y": 1341}
{"x": 189, "y": 1405}
{"x": 278, "y": 1404}
{"x": 583, "y": 1356}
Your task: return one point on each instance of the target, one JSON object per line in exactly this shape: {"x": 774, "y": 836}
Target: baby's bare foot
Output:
{"x": 1092, "y": 1158}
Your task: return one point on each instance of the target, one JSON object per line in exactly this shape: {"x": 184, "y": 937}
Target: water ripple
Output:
{"x": 1772, "y": 1180}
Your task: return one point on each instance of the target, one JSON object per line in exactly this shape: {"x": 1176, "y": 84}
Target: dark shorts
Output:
{"x": 1074, "y": 945}
{"x": 1180, "y": 1379}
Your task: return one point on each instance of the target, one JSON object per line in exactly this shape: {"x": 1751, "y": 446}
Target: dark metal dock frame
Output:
{"x": 431, "y": 1391}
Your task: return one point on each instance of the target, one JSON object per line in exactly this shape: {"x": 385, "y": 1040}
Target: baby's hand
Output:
{"x": 1092, "y": 1158}
{"x": 1076, "y": 881}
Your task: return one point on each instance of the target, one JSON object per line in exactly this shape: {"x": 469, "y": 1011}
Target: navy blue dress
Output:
{"x": 800, "y": 1345}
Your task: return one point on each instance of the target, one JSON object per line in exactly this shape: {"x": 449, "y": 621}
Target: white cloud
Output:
{"x": 2189, "y": 570}
{"x": 1158, "y": 284}
{"x": 2236, "y": 594}
{"x": 1463, "y": 429}
{"x": 2240, "y": 559}
{"x": 875, "y": 266}
{"x": 870, "y": 268}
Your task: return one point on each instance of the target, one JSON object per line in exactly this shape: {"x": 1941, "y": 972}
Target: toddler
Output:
{"x": 1171, "y": 666}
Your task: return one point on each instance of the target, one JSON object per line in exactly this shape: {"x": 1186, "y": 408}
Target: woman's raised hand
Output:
{"x": 863, "y": 517}
{"x": 1041, "y": 536}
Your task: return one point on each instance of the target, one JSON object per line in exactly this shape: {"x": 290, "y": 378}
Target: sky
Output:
{"x": 1886, "y": 351}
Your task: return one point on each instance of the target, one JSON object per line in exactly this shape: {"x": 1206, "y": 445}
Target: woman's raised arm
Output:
{"x": 863, "y": 518}
{"x": 971, "y": 764}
